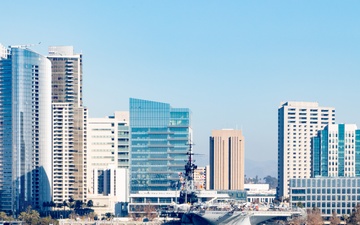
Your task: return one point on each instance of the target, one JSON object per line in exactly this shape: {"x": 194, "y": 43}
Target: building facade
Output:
{"x": 297, "y": 123}
{"x": 69, "y": 125}
{"x": 339, "y": 194}
{"x": 336, "y": 151}
{"x": 227, "y": 160}
{"x": 259, "y": 193}
{"x": 200, "y": 178}
{"x": 160, "y": 136}
{"x": 108, "y": 156}
{"x": 25, "y": 131}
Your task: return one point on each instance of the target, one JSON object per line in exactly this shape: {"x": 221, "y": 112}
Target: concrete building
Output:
{"x": 336, "y": 151}
{"x": 341, "y": 194}
{"x": 200, "y": 177}
{"x": 108, "y": 161}
{"x": 69, "y": 125}
{"x": 259, "y": 193}
{"x": 25, "y": 131}
{"x": 160, "y": 138}
{"x": 297, "y": 123}
{"x": 227, "y": 160}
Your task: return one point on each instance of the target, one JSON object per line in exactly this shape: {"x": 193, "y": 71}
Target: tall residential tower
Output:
{"x": 69, "y": 125}
{"x": 25, "y": 131}
{"x": 227, "y": 160}
{"x": 297, "y": 123}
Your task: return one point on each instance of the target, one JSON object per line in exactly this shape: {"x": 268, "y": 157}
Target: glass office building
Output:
{"x": 160, "y": 138}
{"x": 336, "y": 151}
{"x": 25, "y": 131}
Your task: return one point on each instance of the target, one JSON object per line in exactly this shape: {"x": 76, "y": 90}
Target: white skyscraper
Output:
{"x": 25, "y": 129}
{"x": 108, "y": 156}
{"x": 297, "y": 123}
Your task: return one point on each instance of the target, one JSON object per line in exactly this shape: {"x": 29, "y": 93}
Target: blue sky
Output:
{"x": 230, "y": 62}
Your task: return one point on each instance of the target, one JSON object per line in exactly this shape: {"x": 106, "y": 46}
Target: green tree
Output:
{"x": 90, "y": 203}
{"x": 4, "y": 217}
{"x": 71, "y": 202}
{"x": 30, "y": 217}
{"x": 300, "y": 204}
{"x": 78, "y": 204}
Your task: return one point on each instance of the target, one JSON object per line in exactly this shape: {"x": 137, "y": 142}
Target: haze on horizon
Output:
{"x": 230, "y": 62}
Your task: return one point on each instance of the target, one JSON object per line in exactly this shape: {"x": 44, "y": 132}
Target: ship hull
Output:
{"x": 231, "y": 218}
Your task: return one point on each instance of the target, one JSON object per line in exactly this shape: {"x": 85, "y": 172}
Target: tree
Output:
{"x": 314, "y": 217}
{"x": 47, "y": 220}
{"x": 355, "y": 215}
{"x": 272, "y": 181}
{"x": 78, "y": 204}
{"x": 92, "y": 216}
{"x": 300, "y": 204}
{"x": 334, "y": 219}
{"x": 296, "y": 221}
{"x": 30, "y": 217}
{"x": 65, "y": 204}
{"x": 150, "y": 211}
{"x": 71, "y": 202}
{"x": 109, "y": 215}
{"x": 4, "y": 217}
{"x": 90, "y": 203}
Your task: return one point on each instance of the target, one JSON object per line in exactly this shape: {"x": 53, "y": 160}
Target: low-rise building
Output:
{"x": 259, "y": 193}
{"x": 339, "y": 194}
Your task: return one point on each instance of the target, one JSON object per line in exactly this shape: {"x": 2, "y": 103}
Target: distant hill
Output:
{"x": 260, "y": 168}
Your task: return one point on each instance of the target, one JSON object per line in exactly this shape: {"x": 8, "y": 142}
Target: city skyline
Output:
{"x": 230, "y": 63}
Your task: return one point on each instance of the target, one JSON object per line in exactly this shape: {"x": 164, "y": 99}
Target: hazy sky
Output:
{"x": 230, "y": 62}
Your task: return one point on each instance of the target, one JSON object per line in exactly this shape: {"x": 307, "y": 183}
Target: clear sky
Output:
{"x": 230, "y": 62}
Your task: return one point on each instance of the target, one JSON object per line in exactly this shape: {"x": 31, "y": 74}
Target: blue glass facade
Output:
{"x": 160, "y": 137}
{"x": 335, "y": 151}
{"x": 341, "y": 149}
{"x": 25, "y": 133}
{"x": 315, "y": 156}
{"x": 357, "y": 153}
{"x": 320, "y": 154}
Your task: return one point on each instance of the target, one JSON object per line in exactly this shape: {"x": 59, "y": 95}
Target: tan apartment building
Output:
{"x": 227, "y": 160}
{"x": 69, "y": 125}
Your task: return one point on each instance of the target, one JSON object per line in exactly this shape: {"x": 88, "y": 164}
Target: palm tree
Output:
{"x": 71, "y": 202}
{"x": 90, "y": 203}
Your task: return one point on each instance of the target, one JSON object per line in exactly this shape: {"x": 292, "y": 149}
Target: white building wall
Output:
{"x": 108, "y": 140}
{"x": 349, "y": 151}
{"x": 297, "y": 123}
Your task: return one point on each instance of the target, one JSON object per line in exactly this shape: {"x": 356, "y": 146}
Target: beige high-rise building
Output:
{"x": 69, "y": 125}
{"x": 227, "y": 160}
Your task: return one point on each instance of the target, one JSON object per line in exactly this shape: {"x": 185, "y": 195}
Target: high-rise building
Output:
{"x": 69, "y": 125}
{"x": 227, "y": 160}
{"x": 160, "y": 138}
{"x": 108, "y": 156}
{"x": 335, "y": 151}
{"x": 297, "y": 123}
{"x": 25, "y": 129}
